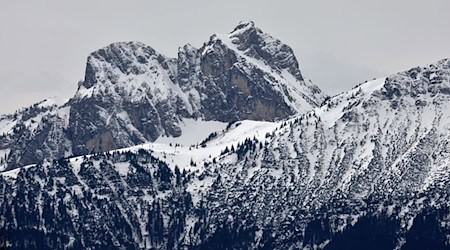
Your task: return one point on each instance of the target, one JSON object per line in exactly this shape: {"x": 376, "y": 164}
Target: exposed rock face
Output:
{"x": 132, "y": 94}
{"x": 256, "y": 44}
{"x": 248, "y": 61}
{"x": 368, "y": 170}
{"x": 128, "y": 97}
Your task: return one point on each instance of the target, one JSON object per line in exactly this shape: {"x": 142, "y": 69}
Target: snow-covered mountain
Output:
{"x": 367, "y": 170}
{"x": 131, "y": 94}
{"x": 33, "y": 133}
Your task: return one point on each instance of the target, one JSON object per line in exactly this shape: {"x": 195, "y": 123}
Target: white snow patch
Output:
{"x": 193, "y": 132}
{"x": 64, "y": 114}
{"x": 122, "y": 168}
{"x": 6, "y": 126}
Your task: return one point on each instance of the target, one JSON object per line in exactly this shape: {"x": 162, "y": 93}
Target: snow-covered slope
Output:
{"x": 205, "y": 150}
{"x": 34, "y": 133}
{"x": 384, "y": 142}
{"x": 368, "y": 170}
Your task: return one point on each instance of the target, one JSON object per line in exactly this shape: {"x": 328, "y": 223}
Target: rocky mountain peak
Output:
{"x": 248, "y": 49}
{"x": 253, "y": 42}
{"x": 121, "y": 57}
{"x": 244, "y": 26}
{"x": 245, "y": 33}
{"x": 420, "y": 83}
{"x": 131, "y": 94}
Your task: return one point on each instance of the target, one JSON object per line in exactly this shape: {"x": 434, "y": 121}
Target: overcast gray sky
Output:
{"x": 44, "y": 44}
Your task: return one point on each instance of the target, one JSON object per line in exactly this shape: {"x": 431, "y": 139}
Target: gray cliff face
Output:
{"x": 246, "y": 74}
{"x": 237, "y": 90}
{"x": 256, "y": 44}
{"x": 132, "y": 94}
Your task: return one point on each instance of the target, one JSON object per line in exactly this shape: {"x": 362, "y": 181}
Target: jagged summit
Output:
{"x": 244, "y": 26}
{"x": 124, "y": 58}
{"x": 419, "y": 81}
{"x": 255, "y": 43}
{"x": 252, "y": 48}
